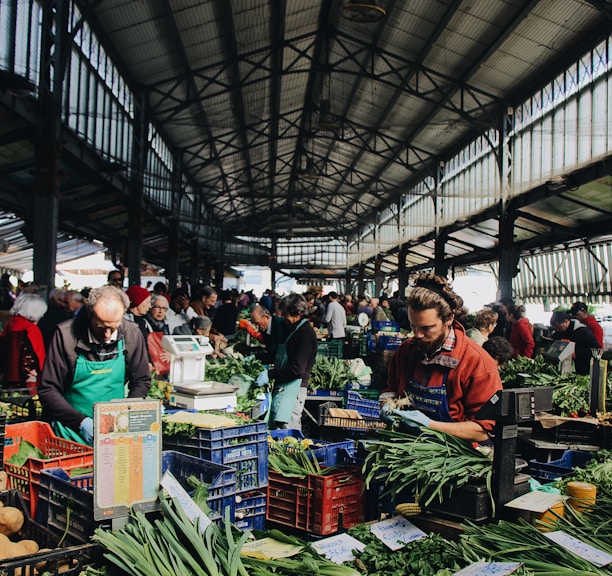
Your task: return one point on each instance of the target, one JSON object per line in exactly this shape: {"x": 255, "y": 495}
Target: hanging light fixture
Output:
{"x": 310, "y": 172}
{"x": 367, "y": 11}
{"x": 327, "y": 121}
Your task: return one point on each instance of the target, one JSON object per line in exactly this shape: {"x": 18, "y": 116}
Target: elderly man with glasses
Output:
{"x": 92, "y": 358}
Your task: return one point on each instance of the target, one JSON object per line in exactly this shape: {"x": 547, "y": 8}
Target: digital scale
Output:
{"x": 187, "y": 375}
{"x": 562, "y": 353}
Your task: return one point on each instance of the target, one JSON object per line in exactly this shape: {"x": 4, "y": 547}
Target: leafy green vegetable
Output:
{"x": 329, "y": 374}
{"x": 431, "y": 556}
{"x": 26, "y": 450}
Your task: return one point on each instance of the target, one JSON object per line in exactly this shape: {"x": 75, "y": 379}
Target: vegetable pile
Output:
{"x": 431, "y": 556}
{"x": 431, "y": 464}
{"x": 329, "y": 374}
{"x": 570, "y": 391}
{"x": 173, "y": 545}
{"x": 294, "y": 458}
{"x": 598, "y": 471}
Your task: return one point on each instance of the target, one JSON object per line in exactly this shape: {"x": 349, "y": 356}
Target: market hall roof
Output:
{"x": 289, "y": 120}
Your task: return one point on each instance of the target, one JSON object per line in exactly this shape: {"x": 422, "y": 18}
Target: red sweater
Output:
{"x": 472, "y": 379}
{"x": 521, "y": 338}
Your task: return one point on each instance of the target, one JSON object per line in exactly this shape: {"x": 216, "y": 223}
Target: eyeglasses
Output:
{"x": 158, "y": 308}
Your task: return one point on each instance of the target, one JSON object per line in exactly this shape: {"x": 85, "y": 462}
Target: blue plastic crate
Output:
{"x": 546, "y": 471}
{"x": 243, "y": 447}
{"x": 367, "y": 408}
{"x": 327, "y": 453}
{"x": 386, "y": 342}
{"x": 58, "y": 491}
{"x": 385, "y": 326}
{"x": 251, "y": 511}
{"x": 221, "y": 480}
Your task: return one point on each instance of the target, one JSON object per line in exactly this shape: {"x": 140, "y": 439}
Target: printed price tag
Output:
{"x": 193, "y": 511}
{"x": 338, "y": 548}
{"x": 591, "y": 554}
{"x": 490, "y": 569}
{"x": 396, "y": 532}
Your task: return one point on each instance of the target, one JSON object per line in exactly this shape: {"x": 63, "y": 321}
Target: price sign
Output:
{"x": 338, "y": 548}
{"x": 591, "y": 554}
{"x": 127, "y": 456}
{"x": 490, "y": 569}
{"x": 396, "y": 532}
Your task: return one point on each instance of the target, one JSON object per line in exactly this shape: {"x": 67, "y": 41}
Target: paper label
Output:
{"x": 338, "y": 548}
{"x": 536, "y": 501}
{"x": 176, "y": 491}
{"x": 591, "y": 554}
{"x": 489, "y": 569}
{"x": 269, "y": 549}
{"x": 396, "y": 532}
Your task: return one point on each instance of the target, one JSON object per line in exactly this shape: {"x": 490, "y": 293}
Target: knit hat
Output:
{"x": 137, "y": 295}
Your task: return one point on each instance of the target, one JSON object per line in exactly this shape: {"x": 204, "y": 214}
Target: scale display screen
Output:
{"x": 186, "y": 344}
{"x": 524, "y": 405}
{"x": 555, "y": 349}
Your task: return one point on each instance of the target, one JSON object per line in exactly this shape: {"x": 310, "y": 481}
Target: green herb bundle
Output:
{"x": 429, "y": 464}
{"x": 430, "y": 556}
{"x": 522, "y": 542}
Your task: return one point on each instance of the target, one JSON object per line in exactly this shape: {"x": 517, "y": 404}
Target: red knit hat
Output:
{"x": 137, "y": 295}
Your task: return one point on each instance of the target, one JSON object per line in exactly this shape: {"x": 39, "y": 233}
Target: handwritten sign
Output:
{"x": 396, "y": 532}
{"x": 338, "y": 548}
{"x": 176, "y": 491}
{"x": 490, "y": 569}
{"x": 591, "y": 554}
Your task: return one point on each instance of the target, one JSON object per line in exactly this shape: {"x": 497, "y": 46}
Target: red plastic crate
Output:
{"x": 58, "y": 453}
{"x": 317, "y": 504}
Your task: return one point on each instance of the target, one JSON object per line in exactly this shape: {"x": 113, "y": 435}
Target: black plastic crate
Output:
{"x": 574, "y": 433}
{"x": 59, "y": 491}
{"x": 22, "y": 406}
{"x": 69, "y": 561}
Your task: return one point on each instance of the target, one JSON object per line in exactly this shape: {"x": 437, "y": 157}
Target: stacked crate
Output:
{"x": 316, "y": 503}
{"x": 245, "y": 449}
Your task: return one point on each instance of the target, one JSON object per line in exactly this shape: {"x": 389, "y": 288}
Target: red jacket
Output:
{"x": 472, "y": 378}
{"x": 595, "y": 328}
{"x": 521, "y": 338}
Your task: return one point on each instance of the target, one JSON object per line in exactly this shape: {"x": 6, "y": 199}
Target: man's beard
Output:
{"x": 428, "y": 348}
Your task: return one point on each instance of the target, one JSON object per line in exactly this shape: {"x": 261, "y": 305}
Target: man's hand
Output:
{"x": 86, "y": 430}
{"x": 412, "y": 417}
{"x": 385, "y": 413}
{"x": 262, "y": 378}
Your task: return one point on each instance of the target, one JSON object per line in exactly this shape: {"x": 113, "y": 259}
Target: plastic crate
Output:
{"x": 251, "y": 511}
{"x": 386, "y": 342}
{"x": 385, "y": 326}
{"x": 547, "y": 471}
{"x": 221, "y": 480}
{"x": 68, "y": 561}
{"x": 320, "y": 505}
{"x": 58, "y": 491}
{"x": 367, "y": 408}
{"x": 57, "y": 451}
{"x": 327, "y": 419}
{"x": 243, "y": 447}
{"x": 327, "y": 453}
{"x": 574, "y": 433}
{"x": 22, "y": 406}
{"x": 325, "y": 393}
{"x": 2, "y": 434}
{"x": 330, "y": 348}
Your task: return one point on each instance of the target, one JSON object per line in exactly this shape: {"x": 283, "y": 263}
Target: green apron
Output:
{"x": 94, "y": 381}
{"x": 285, "y": 394}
